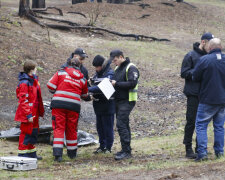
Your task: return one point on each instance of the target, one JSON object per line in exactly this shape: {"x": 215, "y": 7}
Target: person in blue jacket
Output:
{"x": 104, "y": 108}
{"x": 210, "y": 72}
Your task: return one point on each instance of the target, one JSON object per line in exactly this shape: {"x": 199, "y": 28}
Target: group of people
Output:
{"x": 69, "y": 85}
{"x": 203, "y": 69}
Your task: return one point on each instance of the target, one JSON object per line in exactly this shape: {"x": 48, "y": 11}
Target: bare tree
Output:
{"x": 94, "y": 14}
{"x": 78, "y": 1}
{"x": 116, "y": 1}
{"x": 24, "y": 7}
{"x": 38, "y": 4}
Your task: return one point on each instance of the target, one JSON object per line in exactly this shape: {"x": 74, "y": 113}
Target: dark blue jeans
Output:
{"x": 205, "y": 114}
{"x": 105, "y": 131}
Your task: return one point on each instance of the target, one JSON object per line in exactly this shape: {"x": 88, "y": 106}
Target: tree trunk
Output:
{"x": 180, "y": 0}
{"x": 24, "y": 7}
{"x": 116, "y": 1}
{"x": 38, "y": 4}
{"x": 78, "y": 1}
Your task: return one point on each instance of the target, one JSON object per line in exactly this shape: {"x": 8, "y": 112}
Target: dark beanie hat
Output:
{"x": 98, "y": 61}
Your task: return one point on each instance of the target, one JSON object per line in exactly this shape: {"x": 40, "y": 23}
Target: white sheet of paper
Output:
{"x": 106, "y": 87}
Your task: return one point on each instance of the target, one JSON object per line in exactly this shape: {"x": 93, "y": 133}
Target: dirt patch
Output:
{"x": 208, "y": 172}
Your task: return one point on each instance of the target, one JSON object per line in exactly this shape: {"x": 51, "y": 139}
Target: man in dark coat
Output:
{"x": 104, "y": 108}
{"x": 191, "y": 89}
{"x": 210, "y": 72}
{"x": 126, "y": 85}
{"x": 80, "y": 54}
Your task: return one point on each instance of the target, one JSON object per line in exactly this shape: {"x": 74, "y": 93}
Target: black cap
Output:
{"x": 80, "y": 52}
{"x": 115, "y": 53}
{"x": 98, "y": 60}
{"x": 208, "y": 36}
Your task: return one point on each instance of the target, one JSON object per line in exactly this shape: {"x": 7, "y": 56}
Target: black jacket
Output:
{"x": 191, "y": 88}
{"x": 101, "y": 104}
{"x": 123, "y": 85}
{"x": 84, "y": 71}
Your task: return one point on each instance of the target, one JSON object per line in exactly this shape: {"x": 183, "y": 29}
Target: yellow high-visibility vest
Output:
{"x": 132, "y": 92}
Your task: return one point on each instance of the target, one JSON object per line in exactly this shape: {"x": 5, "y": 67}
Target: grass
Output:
{"x": 149, "y": 153}
{"x": 154, "y": 55}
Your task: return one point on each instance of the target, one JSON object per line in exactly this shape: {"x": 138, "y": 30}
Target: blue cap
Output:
{"x": 208, "y": 36}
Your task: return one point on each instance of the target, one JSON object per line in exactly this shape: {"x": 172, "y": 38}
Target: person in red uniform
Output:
{"x": 30, "y": 108}
{"x": 69, "y": 86}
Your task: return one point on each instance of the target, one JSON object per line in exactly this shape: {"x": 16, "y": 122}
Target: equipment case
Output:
{"x": 16, "y": 163}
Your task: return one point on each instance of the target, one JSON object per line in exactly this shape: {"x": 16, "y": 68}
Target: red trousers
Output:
{"x": 64, "y": 121}
{"x": 28, "y": 135}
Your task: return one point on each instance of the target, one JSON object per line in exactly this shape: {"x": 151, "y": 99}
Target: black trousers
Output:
{"x": 192, "y": 107}
{"x": 123, "y": 110}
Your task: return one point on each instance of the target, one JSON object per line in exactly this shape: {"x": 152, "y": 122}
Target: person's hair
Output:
{"x": 74, "y": 62}
{"x": 215, "y": 43}
{"x": 29, "y": 65}
{"x": 120, "y": 55}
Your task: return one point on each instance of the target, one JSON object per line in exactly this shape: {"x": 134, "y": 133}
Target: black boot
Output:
{"x": 72, "y": 153}
{"x": 58, "y": 158}
{"x": 123, "y": 155}
{"x": 190, "y": 153}
{"x": 118, "y": 153}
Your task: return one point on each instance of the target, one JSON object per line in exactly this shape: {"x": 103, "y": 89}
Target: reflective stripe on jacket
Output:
{"x": 69, "y": 86}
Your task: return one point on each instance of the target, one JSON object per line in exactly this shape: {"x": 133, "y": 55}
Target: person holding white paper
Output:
{"x": 104, "y": 108}
{"x": 126, "y": 85}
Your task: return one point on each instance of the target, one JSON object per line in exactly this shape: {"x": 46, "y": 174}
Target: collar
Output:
{"x": 127, "y": 61}
{"x": 217, "y": 50}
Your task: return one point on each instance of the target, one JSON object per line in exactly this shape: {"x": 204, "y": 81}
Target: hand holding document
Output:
{"x": 106, "y": 87}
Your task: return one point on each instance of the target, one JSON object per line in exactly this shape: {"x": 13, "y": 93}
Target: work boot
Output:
{"x": 123, "y": 155}
{"x": 99, "y": 150}
{"x": 72, "y": 153}
{"x": 219, "y": 155}
{"x": 190, "y": 153}
{"x": 107, "y": 151}
{"x": 201, "y": 158}
{"x": 118, "y": 153}
{"x": 58, "y": 158}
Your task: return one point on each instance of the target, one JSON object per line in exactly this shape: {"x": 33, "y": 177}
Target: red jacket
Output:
{"x": 68, "y": 86}
{"x": 28, "y": 92}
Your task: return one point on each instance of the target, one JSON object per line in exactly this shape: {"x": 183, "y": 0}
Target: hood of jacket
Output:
{"x": 25, "y": 76}
{"x": 196, "y": 48}
{"x": 74, "y": 73}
